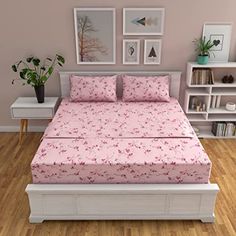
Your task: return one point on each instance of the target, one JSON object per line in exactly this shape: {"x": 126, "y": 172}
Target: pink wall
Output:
{"x": 46, "y": 27}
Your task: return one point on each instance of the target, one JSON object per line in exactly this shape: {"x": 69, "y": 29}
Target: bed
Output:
{"x": 121, "y": 160}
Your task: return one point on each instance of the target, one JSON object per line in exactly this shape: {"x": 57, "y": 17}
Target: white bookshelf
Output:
{"x": 205, "y": 92}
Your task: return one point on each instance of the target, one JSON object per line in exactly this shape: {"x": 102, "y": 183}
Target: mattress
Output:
{"x": 120, "y": 143}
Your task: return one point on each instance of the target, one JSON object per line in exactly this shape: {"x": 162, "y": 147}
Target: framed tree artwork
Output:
{"x": 143, "y": 21}
{"x": 152, "y": 51}
{"x": 131, "y": 50}
{"x": 95, "y": 35}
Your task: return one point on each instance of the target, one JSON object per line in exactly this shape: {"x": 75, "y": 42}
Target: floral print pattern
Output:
{"x": 97, "y": 88}
{"x": 119, "y": 119}
{"x": 144, "y": 142}
{"x": 164, "y": 160}
{"x": 141, "y": 89}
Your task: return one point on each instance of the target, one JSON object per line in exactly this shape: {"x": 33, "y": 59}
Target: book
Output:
{"x": 214, "y": 128}
{"x": 213, "y": 101}
{"x": 212, "y": 78}
{"x": 227, "y": 129}
{"x": 194, "y": 77}
{"x": 198, "y": 77}
{"x": 202, "y": 76}
{"x": 205, "y": 76}
{"x": 218, "y": 99}
{"x": 222, "y": 129}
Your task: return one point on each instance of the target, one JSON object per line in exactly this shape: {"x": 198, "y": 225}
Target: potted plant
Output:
{"x": 203, "y": 50}
{"x": 36, "y": 73}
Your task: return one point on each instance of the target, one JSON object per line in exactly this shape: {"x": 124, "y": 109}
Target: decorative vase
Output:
{"x": 39, "y": 91}
{"x": 202, "y": 60}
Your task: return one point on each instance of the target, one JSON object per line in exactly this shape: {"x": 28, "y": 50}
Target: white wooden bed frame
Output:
{"x": 121, "y": 201}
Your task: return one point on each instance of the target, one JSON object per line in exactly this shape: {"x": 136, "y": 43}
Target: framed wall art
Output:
{"x": 143, "y": 21}
{"x": 131, "y": 51}
{"x": 152, "y": 51}
{"x": 220, "y": 35}
{"x": 95, "y": 35}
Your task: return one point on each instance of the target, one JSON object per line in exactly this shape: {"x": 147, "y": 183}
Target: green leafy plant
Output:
{"x": 34, "y": 72}
{"x": 203, "y": 46}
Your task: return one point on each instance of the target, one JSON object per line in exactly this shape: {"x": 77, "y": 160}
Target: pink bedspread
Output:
{"x": 120, "y": 143}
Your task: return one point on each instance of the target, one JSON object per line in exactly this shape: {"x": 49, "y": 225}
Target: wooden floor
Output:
{"x": 14, "y": 210}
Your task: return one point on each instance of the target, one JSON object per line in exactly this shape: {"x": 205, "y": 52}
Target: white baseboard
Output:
{"x": 17, "y": 128}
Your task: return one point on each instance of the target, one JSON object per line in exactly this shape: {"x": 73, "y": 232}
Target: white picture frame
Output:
{"x": 143, "y": 21}
{"x": 152, "y": 51}
{"x": 100, "y": 36}
{"x": 220, "y": 33}
{"x": 131, "y": 51}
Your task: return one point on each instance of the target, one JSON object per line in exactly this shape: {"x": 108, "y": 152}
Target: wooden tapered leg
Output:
{"x": 21, "y": 130}
{"x": 26, "y": 125}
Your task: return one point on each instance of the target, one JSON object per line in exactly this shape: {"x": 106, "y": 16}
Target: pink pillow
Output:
{"x": 146, "y": 88}
{"x": 93, "y": 88}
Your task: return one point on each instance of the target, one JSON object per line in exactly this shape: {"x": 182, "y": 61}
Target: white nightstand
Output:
{"x": 25, "y": 108}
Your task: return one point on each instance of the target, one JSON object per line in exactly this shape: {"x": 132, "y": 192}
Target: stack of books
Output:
{"x": 203, "y": 76}
{"x": 215, "y": 101}
{"x": 227, "y": 129}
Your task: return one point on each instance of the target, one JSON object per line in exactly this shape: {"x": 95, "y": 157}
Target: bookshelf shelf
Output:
{"x": 205, "y": 132}
{"x": 215, "y": 85}
{"x": 210, "y": 97}
{"x": 198, "y": 91}
{"x": 224, "y": 91}
{"x": 221, "y": 117}
{"x": 192, "y": 111}
{"x": 196, "y": 117}
{"x": 214, "y": 65}
{"x": 219, "y": 84}
{"x": 220, "y": 110}
{"x": 208, "y": 134}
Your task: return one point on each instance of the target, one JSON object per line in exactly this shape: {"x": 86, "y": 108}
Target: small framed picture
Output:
{"x": 95, "y": 35}
{"x": 143, "y": 21}
{"x": 220, "y": 36}
{"x": 152, "y": 51}
{"x": 131, "y": 51}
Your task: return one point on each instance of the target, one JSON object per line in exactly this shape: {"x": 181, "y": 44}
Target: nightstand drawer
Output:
{"x": 32, "y": 113}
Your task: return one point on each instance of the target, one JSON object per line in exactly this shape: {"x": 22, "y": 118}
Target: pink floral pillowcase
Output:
{"x": 93, "y": 88}
{"x": 146, "y": 88}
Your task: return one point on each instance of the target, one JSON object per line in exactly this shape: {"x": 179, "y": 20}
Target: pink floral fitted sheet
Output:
{"x": 119, "y": 119}
{"x": 135, "y": 160}
{"x": 120, "y": 143}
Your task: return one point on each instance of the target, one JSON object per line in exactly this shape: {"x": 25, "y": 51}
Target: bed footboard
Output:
{"x": 122, "y": 201}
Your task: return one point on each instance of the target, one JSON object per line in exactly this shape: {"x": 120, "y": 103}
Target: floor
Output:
{"x": 14, "y": 211}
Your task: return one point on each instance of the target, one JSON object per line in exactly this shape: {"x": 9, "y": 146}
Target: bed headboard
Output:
{"x": 175, "y": 77}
